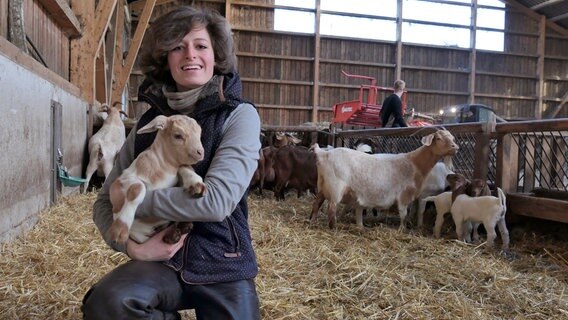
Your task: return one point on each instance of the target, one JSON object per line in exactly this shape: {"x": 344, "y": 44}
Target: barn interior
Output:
{"x": 61, "y": 60}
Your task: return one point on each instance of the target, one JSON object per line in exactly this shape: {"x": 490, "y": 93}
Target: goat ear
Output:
{"x": 158, "y": 123}
{"x": 427, "y": 140}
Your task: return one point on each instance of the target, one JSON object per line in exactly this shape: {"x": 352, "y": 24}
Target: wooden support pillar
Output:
{"x": 507, "y": 163}
{"x": 317, "y": 53}
{"x": 472, "y": 51}
{"x": 539, "y": 108}
{"x": 16, "y": 31}
{"x": 398, "y": 67}
{"x": 118, "y": 60}
{"x": 122, "y": 78}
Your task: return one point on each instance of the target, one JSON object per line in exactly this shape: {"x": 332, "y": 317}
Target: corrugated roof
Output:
{"x": 554, "y": 10}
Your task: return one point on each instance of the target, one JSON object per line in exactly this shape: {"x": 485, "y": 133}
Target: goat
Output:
{"x": 176, "y": 147}
{"x": 489, "y": 210}
{"x": 105, "y": 144}
{"x": 349, "y": 176}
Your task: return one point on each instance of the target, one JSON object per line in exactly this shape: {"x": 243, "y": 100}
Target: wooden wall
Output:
{"x": 47, "y": 43}
{"x": 278, "y": 69}
{"x": 295, "y": 78}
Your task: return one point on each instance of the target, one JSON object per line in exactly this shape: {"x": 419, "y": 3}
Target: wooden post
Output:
{"x": 117, "y": 61}
{"x": 472, "y": 51}
{"x": 398, "y": 67}
{"x": 317, "y": 53}
{"x": 16, "y": 31}
{"x": 539, "y": 110}
{"x": 118, "y": 86}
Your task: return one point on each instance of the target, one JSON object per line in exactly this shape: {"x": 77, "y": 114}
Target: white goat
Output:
{"x": 176, "y": 147}
{"x": 349, "y": 176}
{"x": 486, "y": 209}
{"x": 105, "y": 144}
{"x": 443, "y": 204}
{"x": 434, "y": 184}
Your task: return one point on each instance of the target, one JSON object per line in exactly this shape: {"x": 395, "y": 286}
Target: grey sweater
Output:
{"x": 227, "y": 179}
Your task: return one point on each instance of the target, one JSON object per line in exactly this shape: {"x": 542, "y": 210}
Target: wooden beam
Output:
{"x": 228, "y": 10}
{"x": 317, "y": 54}
{"x": 118, "y": 86}
{"x": 109, "y": 48}
{"x": 553, "y": 111}
{"x": 537, "y": 207}
{"x": 139, "y": 5}
{"x": 63, "y": 16}
{"x": 16, "y": 30}
{"x": 118, "y": 59}
{"x": 545, "y": 4}
{"x": 398, "y": 63}
{"x": 539, "y": 110}
{"x": 101, "y": 75}
{"x": 534, "y": 15}
{"x": 472, "y": 52}
{"x": 98, "y": 29}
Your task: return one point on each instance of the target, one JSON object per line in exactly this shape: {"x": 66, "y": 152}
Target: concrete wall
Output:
{"x": 26, "y": 95}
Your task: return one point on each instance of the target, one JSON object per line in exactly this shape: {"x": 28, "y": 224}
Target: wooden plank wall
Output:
{"x": 277, "y": 69}
{"x": 47, "y": 38}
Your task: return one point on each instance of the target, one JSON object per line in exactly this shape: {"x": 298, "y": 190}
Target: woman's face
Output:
{"x": 191, "y": 63}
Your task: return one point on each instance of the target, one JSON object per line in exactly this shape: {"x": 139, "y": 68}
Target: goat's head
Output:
{"x": 284, "y": 139}
{"x": 457, "y": 181}
{"x": 478, "y": 187}
{"x": 442, "y": 143}
{"x": 178, "y": 134}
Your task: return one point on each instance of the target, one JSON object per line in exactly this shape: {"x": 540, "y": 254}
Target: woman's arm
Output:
{"x": 227, "y": 179}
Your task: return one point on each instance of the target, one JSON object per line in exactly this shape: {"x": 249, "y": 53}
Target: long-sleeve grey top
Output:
{"x": 226, "y": 180}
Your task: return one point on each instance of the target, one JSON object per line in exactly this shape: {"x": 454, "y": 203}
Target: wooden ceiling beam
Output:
{"x": 122, "y": 78}
{"x": 534, "y": 15}
{"x": 63, "y": 16}
{"x": 103, "y": 16}
{"x": 139, "y": 5}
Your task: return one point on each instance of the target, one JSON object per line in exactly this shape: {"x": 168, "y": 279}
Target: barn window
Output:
{"x": 439, "y": 22}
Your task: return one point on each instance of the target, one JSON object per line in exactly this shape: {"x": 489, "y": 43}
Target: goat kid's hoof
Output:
{"x": 197, "y": 190}
{"x": 118, "y": 232}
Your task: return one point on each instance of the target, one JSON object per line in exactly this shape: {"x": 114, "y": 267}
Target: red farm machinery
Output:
{"x": 365, "y": 110}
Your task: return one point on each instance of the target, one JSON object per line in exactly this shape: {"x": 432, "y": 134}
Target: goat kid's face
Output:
{"x": 443, "y": 142}
{"x": 456, "y": 180}
{"x": 180, "y": 134}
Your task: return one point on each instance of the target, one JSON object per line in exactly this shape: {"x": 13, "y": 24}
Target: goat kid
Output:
{"x": 105, "y": 144}
{"x": 176, "y": 148}
{"x": 488, "y": 210}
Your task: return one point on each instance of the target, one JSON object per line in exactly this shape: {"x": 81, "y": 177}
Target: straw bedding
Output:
{"x": 308, "y": 272}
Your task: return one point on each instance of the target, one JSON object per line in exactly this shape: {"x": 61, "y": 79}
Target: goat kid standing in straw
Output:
{"x": 189, "y": 62}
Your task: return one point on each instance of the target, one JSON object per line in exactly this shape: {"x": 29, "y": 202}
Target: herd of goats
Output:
{"x": 354, "y": 177}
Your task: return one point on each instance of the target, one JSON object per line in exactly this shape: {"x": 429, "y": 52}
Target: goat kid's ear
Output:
{"x": 427, "y": 140}
{"x": 159, "y": 123}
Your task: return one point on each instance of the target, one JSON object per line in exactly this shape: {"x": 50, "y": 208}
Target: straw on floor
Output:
{"x": 307, "y": 272}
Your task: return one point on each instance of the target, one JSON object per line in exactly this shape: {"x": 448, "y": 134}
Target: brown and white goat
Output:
{"x": 365, "y": 181}
{"x": 488, "y": 210}
{"x": 105, "y": 144}
{"x": 176, "y": 147}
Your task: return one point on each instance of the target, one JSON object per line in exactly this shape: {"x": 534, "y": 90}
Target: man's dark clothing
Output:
{"x": 392, "y": 105}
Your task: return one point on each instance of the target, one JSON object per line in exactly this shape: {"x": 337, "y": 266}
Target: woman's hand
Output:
{"x": 155, "y": 249}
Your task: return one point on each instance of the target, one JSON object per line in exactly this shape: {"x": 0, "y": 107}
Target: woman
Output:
{"x": 189, "y": 62}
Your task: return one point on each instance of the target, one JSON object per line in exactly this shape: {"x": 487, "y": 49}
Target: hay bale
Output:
{"x": 306, "y": 272}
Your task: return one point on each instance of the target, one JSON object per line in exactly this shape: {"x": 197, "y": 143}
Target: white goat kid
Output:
{"x": 105, "y": 144}
{"x": 176, "y": 147}
{"x": 488, "y": 210}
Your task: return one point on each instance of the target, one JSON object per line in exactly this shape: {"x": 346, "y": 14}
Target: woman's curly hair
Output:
{"x": 166, "y": 32}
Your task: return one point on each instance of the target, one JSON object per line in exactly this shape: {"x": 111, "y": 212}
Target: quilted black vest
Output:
{"x": 213, "y": 251}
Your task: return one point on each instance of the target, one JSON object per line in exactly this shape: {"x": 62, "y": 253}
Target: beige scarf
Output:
{"x": 184, "y": 101}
